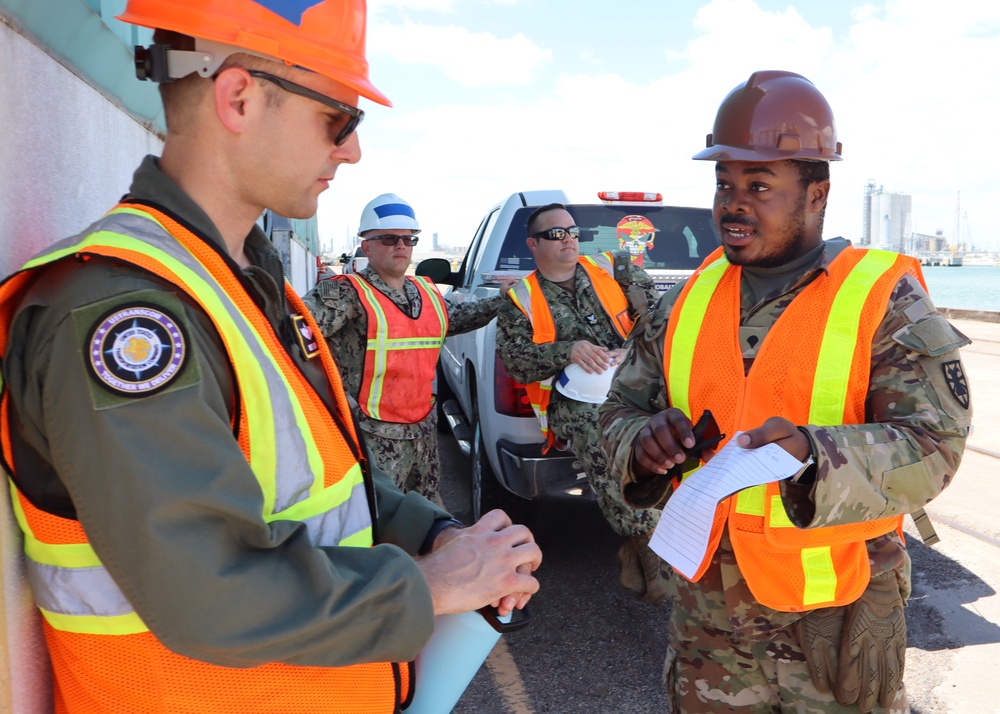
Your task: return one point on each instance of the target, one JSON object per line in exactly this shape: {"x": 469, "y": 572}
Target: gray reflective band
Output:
{"x": 76, "y": 591}
{"x": 523, "y": 294}
{"x": 340, "y": 523}
{"x": 404, "y": 343}
{"x": 295, "y": 478}
{"x": 90, "y": 591}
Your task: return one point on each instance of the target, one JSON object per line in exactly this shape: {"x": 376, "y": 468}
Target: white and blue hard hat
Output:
{"x": 388, "y": 211}
{"x": 577, "y": 383}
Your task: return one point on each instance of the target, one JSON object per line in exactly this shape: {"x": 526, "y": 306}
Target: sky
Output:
{"x": 492, "y": 97}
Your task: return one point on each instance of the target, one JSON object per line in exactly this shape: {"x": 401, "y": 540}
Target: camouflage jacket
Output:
{"x": 903, "y": 457}
{"x": 344, "y": 323}
{"x": 578, "y": 315}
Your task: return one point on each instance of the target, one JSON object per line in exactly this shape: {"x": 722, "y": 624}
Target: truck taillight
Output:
{"x": 629, "y": 196}
{"x": 509, "y": 397}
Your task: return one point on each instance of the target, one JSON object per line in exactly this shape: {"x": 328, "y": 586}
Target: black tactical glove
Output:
{"x": 873, "y": 646}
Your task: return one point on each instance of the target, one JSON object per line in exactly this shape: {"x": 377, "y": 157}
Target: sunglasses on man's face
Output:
{"x": 342, "y": 125}
{"x": 391, "y": 239}
{"x": 558, "y": 233}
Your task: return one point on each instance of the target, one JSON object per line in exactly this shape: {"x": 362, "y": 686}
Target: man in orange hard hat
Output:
{"x": 833, "y": 353}
{"x": 202, "y": 529}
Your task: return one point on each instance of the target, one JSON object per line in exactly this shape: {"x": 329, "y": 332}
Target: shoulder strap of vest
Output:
{"x": 600, "y": 271}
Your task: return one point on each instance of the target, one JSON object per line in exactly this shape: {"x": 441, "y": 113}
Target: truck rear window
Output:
{"x": 657, "y": 237}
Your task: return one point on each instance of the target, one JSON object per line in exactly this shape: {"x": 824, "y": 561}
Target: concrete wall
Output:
{"x": 67, "y": 154}
{"x": 74, "y": 125}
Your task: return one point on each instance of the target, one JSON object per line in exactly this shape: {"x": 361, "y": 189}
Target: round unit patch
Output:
{"x": 137, "y": 350}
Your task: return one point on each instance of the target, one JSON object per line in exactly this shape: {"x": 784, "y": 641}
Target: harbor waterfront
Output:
{"x": 966, "y": 287}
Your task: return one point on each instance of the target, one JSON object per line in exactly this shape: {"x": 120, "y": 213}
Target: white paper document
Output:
{"x": 681, "y": 537}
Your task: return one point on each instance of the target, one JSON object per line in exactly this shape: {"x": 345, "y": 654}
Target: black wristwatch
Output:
{"x": 439, "y": 525}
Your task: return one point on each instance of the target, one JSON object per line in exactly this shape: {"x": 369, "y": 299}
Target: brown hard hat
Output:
{"x": 774, "y": 115}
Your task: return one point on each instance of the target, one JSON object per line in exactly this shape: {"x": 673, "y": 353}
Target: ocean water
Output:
{"x": 968, "y": 287}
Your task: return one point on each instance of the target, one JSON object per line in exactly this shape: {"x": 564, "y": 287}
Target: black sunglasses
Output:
{"x": 352, "y": 115}
{"x": 558, "y": 233}
{"x": 391, "y": 239}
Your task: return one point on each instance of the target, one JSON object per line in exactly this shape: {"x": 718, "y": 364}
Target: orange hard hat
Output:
{"x": 324, "y": 36}
{"x": 774, "y": 115}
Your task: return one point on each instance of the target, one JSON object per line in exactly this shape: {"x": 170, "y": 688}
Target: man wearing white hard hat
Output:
{"x": 385, "y": 330}
{"x": 561, "y": 334}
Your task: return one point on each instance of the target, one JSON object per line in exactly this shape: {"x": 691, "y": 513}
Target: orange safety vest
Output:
{"x": 812, "y": 368}
{"x": 530, "y": 299}
{"x": 104, "y": 658}
{"x": 402, "y": 352}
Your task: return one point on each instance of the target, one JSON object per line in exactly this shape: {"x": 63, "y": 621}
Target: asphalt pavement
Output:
{"x": 593, "y": 648}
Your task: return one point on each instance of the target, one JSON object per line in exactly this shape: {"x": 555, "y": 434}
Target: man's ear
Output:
{"x": 233, "y": 90}
{"x": 817, "y": 195}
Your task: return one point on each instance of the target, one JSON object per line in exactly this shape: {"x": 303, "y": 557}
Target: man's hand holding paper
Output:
{"x": 681, "y": 538}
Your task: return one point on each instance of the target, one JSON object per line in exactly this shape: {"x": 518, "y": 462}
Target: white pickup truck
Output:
{"x": 489, "y": 412}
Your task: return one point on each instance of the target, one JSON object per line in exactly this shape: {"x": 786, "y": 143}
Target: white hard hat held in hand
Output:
{"x": 582, "y": 386}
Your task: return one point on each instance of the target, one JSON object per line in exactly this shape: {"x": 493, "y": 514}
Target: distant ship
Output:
{"x": 981, "y": 259}
{"x": 953, "y": 261}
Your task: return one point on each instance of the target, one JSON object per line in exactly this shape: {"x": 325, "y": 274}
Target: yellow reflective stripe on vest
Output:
{"x": 513, "y": 293}
{"x": 833, "y": 368}
{"x": 540, "y": 392}
{"x": 378, "y": 345}
{"x": 831, "y": 384}
{"x": 128, "y": 624}
{"x": 682, "y": 347}
{"x": 71, "y": 587}
{"x": 382, "y": 345}
{"x": 117, "y": 230}
{"x": 436, "y": 301}
{"x": 520, "y": 294}
{"x": 270, "y": 402}
{"x": 820, "y": 575}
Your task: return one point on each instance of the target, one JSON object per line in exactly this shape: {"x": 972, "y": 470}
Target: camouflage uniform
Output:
{"x": 408, "y": 452}
{"x": 577, "y": 315}
{"x": 727, "y": 649}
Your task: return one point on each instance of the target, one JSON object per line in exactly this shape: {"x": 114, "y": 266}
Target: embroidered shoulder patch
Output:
{"x": 304, "y": 335}
{"x": 954, "y": 377}
{"x": 136, "y": 350}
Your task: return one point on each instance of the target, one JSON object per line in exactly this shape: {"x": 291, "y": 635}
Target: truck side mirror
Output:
{"x": 438, "y": 270}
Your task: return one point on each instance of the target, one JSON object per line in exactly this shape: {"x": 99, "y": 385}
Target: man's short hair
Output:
{"x": 533, "y": 218}
{"x": 809, "y": 173}
{"x": 177, "y": 95}
{"x": 812, "y": 171}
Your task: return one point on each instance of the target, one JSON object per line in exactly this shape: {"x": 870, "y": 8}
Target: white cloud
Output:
{"x": 912, "y": 84}
{"x": 378, "y": 8}
{"x": 474, "y": 59}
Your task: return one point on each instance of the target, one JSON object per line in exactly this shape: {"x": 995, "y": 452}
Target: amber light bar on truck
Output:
{"x": 629, "y": 196}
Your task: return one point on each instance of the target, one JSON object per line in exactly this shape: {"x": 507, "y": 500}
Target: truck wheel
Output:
{"x": 444, "y": 393}
{"x": 487, "y": 493}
